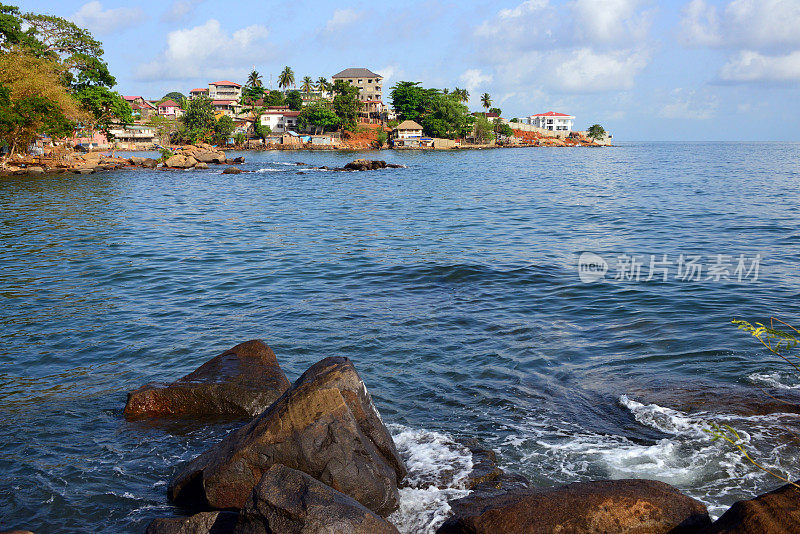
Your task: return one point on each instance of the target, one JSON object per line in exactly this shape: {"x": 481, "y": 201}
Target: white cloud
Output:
{"x": 180, "y": 9}
{"x": 753, "y": 24}
{"x": 474, "y": 78}
{"x": 389, "y": 72}
{"x": 689, "y": 105}
{"x": 92, "y": 16}
{"x": 585, "y": 70}
{"x": 341, "y": 19}
{"x": 207, "y": 51}
{"x": 749, "y": 66}
{"x": 525, "y": 8}
{"x": 610, "y": 21}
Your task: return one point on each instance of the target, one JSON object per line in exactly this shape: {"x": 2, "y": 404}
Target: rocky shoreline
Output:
{"x": 315, "y": 457}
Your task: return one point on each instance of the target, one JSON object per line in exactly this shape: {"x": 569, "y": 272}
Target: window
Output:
{"x": 369, "y": 81}
{"x": 360, "y": 81}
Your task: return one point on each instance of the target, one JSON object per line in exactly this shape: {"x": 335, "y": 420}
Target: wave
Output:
{"x": 774, "y": 379}
{"x": 438, "y": 468}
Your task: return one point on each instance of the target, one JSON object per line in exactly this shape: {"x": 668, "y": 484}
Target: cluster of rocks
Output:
{"x": 88, "y": 163}
{"x": 317, "y": 458}
{"x": 198, "y": 157}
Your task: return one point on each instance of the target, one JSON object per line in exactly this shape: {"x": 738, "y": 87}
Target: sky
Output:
{"x": 685, "y": 70}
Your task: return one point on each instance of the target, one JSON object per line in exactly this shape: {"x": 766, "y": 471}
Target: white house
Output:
{"x": 169, "y": 108}
{"x": 557, "y": 122}
{"x": 225, "y": 90}
{"x": 280, "y": 121}
{"x": 407, "y": 130}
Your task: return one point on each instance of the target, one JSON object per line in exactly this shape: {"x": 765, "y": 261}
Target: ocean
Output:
{"x": 570, "y": 308}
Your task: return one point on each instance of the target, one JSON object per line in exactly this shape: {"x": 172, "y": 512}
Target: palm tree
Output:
{"x": 323, "y": 85}
{"x": 445, "y": 91}
{"x": 308, "y": 84}
{"x": 254, "y": 80}
{"x": 286, "y": 78}
{"x": 486, "y": 101}
{"x": 462, "y": 94}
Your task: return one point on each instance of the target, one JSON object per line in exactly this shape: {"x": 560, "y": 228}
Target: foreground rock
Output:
{"x": 291, "y": 502}
{"x": 240, "y": 382}
{"x": 180, "y": 161}
{"x": 776, "y": 512}
{"x": 202, "y": 523}
{"x": 618, "y": 506}
{"x": 232, "y": 170}
{"x": 370, "y": 165}
{"x": 325, "y": 425}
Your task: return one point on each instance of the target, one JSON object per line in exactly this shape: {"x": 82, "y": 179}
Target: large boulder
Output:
{"x": 232, "y": 170}
{"x": 136, "y": 160}
{"x": 240, "y": 382}
{"x": 618, "y": 506}
{"x": 179, "y": 161}
{"x": 202, "y": 523}
{"x": 291, "y": 502}
{"x": 208, "y": 156}
{"x": 150, "y": 163}
{"x": 325, "y": 425}
{"x": 775, "y": 512}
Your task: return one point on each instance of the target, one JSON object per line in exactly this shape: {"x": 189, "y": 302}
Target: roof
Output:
{"x": 551, "y": 114}
{"x": 131, "y": 97}
{"x": 284, "y": 113}
{"x": 199, "y": 90}
{"x": 226, "y": 82}
{"x": 223, "y": 102}
{"x": 168, "y": 103}
{"x": 356, "y": 73}
{"x": 408, "y": 125}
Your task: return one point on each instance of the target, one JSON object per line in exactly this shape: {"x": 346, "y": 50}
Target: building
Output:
{"x": 134, "y": 137}
{"x": 557, "y": 122}
{"x": 194, "y": 93}
{"x": 170, "y": 108}
{"x": 142, "y": 109}
{"x": 225, "y": 90}
{"x": 407, "y": 130}
{"x": 280, "y": 120}
{"x": 370, "y": 90}
{"x": 225, "y": 107}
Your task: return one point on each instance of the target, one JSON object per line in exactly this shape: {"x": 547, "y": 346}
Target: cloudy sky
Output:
{"x": 680, "y": 70}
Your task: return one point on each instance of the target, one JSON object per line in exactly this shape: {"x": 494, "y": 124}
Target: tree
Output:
{"x": 318, "y": 115}
{"x": 251, "y": 94}
{"x": 447, "y": 117}
{"x": 346, "y": 104}
{"x": 483, "y": 130}
{"x": 223, "y": 129}
{"x": 596, "y": 132}
{"x": 254, "y": 79}
{"x": 496, "y": 110}
{"x": 33, "y": 101}
{"x": 274, "y": 98}
{"x": 262, "y": 130}
{"x": 199, "y": 123}
{"x": 411, "y": 101}
{"x": 308, "y": 85}
{"x": 294, "y": 101}
{"x": 486, "y": 100}
{"x": 461, "y": 94}
{"x": 286, "y": 78}
{"x": 514, "y": 120}
{"x": 322, "y": 84}
{"x": 173, "y": 95}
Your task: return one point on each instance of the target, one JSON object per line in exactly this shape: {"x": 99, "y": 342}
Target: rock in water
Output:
{"x": 291, "y": 502}
{"x": 325, "y": 425}
{"x": 776, "y": 512}
{"x": 240, "y": 382}
{"x": 202, "y": 523}
{"x": 618, "y": 506}
{"x": 232, "y": 170}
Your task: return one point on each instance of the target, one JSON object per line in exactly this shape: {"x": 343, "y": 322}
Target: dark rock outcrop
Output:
{"x": 776, "y": 512}
{"x": 150, "y": 163}
{"x": 325, "y": 425}
{"x": 618, "y": 506}
{"x": 291, "y": 502}
{"x": 484, "y": 464}
{"x": 232, "y": 170}
{"x": 202, "y": 523}
{"x": 240, "y": 382}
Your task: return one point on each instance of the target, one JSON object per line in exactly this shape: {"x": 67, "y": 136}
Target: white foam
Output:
{"x": 774, "y": 379}
{"x": 438, "y": 468}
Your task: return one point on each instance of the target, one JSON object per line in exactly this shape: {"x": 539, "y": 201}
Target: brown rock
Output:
{"x": 201, "y": 165}
{"x": 136, "y": 160}
{"x": 291, "y": 502}
{"x": 209, "y": 156}
{"x": 240, "y": 382}
{"x": 84, "y": 170}
{"x": 202, "y": 523}
{"x": 484, "y": 464}
{"x": 232, "y": 170}
{"x": 150, "y": 163}
{"x": 325, "y": 425}
{"x": 618, "y": 506}
{"x": 179, "y": 161}
{"x": 776, "y": 512}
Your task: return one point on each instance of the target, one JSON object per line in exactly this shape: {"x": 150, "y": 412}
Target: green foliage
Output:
{"x": 483, "y": 130}
{"x": 505, "y": 130}
{"x": 410, "y": 100}
{"x": 322, "y": 84}
{"x": 274, "y": 98}
{"x": 165, "y": 154}
{"x": 294, "y": 100}
{"x": 318, "y": 115}
{"x": 496, "y": 110}
{"x": 596, "y": 132}
{"x": 250, "y": 94}
{"x": 239, "y": 138}
{"x": 308, "y": 84}
{"x": 346, "y": 104}
{"x": 286, "y": 78}
{"x": 223, "y": 129}
{"x": 173, "y": 95}
{"x": 254, "y": 80}
{"x": 15, "y": 115}
{"x": 262, "y": 130}
{"x": 514, "y": 120}
{"x": 199, "y": 114}
{"x": 447, "y": 118}
{"x": 105, "y": 105}
{"x": 486, "y": 100}
{"x": 381, "y": 138}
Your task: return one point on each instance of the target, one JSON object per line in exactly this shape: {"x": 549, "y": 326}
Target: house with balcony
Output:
{"x": 370, "y": 90}
{"x": 170, "y": 108}
{"x": 553, "y": 121}
{"x": 225, "y": 90}
{"x": 142, "y": 109}
{"x": 200, "y": 91}
{"x": 134, "y": 136}
{"x": 280, "y": 120}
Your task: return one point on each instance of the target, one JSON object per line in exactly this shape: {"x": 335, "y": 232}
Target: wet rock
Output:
{"x": 619, "y": 506}
{"x": 179, "y": 161}
{"x": 150, "y": 163}
{"x": 83, "y": 170}
{"x": 232, "y": 170}
{"x": 776, "y": 512}
{"x": 136, "y": 160}
{"x": 201, "y": 165}
{"x": 484, "y": 464}
{"x": 395, "y": 166}
{"x": 325, "y": 425}
{"x": 365, "y": 165}
{"x": 299, "y": 163}
{"x": 292, "y": 502}
{"x": 202, "y": 523}
{"x": 237, "y": 161}
{"x": 208, "y": 156}
{"x": 240, "y": 382}
{"x": 35, "y": 170}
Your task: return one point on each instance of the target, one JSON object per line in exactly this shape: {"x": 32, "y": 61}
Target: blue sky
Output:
{"x": 682, "y": 70}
